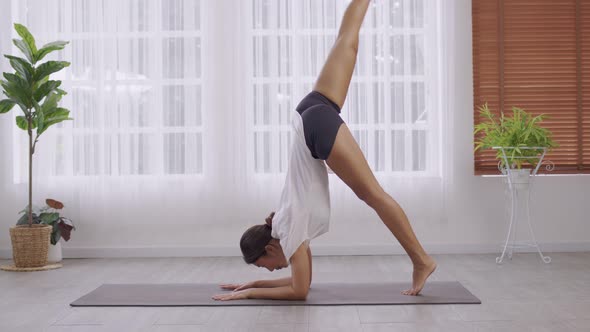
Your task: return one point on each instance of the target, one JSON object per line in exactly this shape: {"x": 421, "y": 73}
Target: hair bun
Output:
{"x": 269, "y": 219}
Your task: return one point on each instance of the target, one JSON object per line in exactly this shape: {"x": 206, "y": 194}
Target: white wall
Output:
{"x": 475, "y": 212}
{"x": 475, "y": 220}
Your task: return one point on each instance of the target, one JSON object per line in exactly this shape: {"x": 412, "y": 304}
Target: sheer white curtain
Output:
{"x": 394, "y": 107}
{"x": 181, "y": 113}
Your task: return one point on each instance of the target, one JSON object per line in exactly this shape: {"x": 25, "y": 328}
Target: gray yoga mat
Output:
{"x": 166, "y": 295}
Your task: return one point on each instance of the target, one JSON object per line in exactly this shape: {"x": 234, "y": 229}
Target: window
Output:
{"x": 391, "y": 107}
{"x": 136, "y": 81}
{"x": 535, "y": 55}
{"x": 134, "y": 85}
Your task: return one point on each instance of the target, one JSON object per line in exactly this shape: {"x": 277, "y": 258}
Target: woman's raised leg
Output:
{"x": 337, "y": 72}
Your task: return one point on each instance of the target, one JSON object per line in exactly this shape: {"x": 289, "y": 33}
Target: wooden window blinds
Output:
{"x": 535, "y": 54}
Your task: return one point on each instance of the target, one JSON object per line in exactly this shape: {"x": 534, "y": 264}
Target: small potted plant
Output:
{"x": 518, "y": 131}
{"x": 29, "y": 88}
{"x": 61, "y": 226}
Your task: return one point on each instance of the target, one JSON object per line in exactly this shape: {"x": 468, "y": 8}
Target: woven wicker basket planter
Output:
{"x": 30, "y": 245}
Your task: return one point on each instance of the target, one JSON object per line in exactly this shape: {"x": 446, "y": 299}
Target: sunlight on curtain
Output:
{"x": 135, "y": 93}
{"x": 392, "y": 108}
{"x": 134, "y": 88}
{"x": 182, "y": 111}
{"x": 388, "y": 106}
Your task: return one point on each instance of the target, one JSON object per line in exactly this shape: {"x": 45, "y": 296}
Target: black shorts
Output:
{"x": 321, "y": 120}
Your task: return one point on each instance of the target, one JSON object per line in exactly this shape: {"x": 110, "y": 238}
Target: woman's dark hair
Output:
{"x": 255, "y": 239}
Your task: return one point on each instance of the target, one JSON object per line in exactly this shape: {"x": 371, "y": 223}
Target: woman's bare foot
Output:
{"x": 421, "y": 273}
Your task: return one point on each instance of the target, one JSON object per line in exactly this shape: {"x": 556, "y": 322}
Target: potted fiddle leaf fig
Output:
{"x": 30, "y": 88}
{"x": 516, "y": 131}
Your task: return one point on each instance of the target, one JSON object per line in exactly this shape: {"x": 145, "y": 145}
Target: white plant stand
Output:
{"x": 515, "y": 186}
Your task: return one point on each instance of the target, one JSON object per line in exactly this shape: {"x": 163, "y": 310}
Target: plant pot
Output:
{"x": 519, "y": 177}
{"x": 30, "y": 245}
{"x": 54, "y": 254}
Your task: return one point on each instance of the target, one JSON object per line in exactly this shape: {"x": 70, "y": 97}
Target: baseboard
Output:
{"x": 319, "y": 250}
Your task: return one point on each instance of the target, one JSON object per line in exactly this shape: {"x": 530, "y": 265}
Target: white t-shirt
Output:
{"x": 304, "y": 207}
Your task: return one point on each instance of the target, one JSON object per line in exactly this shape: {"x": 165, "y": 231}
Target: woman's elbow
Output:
{"x": 301, "y": 294}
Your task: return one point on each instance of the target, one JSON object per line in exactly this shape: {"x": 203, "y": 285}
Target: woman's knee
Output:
{"x": 349, "y": 41}
{"x": 373, "y": 196}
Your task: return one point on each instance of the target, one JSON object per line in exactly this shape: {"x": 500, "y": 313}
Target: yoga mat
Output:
{"x": 166, "y": 295}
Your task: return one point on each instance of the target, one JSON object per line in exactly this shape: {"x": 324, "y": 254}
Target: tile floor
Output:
{"x": 523, "y": 294}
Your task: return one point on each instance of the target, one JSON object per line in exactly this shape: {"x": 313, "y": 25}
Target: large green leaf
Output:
{"x": 36, "y": 106}
{"x": 49, "y": 123}
{"x": 57, "y": 113}
{"x": 48, "y": 48}
{"x": 55, "y": 233}
{"x": 22, "y": 123}
{"x": 26, "y": 36}
{"x": 45, "y": 89}
{"x": 6, "y": 105}
{"x": 52, "y": 116}
{"x": 49, "y": 217}
{"x": 40, "y": 121}
{"x": 50, "y": 103}
{"x": 49, "y": 68}
{"x": 17, "y": 81}
{"x": 22, "y": 45}
{"x": 17, "y": 92}
{"x": 37, "y": 84}
{"x": 22, "y": 67}
{"x": 17, "y": 89}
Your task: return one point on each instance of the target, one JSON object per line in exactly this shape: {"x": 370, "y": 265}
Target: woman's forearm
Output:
{"x": 276, "y": 293}
{"x": 273, "y": 283}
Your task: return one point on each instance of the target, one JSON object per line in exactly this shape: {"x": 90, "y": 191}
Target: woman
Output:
{"x": 320, "y": 134}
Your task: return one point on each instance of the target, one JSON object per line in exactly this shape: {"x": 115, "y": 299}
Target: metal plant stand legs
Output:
{"x": 514, "y": 188}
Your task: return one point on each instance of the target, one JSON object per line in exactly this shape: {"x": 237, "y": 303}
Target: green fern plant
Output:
{"x": 519, "y": 130}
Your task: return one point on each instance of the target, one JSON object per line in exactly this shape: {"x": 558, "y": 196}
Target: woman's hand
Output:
{"x": 238, "y": 287}
{"x": 240, "y": 295}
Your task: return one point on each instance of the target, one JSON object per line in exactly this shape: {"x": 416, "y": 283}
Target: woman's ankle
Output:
{"x": 422, "y": 259}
